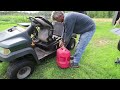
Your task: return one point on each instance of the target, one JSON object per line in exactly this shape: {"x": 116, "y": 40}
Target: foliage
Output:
{"x": 46, "y": 14}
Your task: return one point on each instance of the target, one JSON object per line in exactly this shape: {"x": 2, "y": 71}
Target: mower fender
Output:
{"x": 20, "y": 53}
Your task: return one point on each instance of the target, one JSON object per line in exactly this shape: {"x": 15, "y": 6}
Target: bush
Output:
{"x": 100, "y": 14}
{"x": 18, "y": 17}
{"x": 13, "y": 19}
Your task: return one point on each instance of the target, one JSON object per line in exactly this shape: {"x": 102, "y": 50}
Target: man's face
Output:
{"x": 60, "y": 18}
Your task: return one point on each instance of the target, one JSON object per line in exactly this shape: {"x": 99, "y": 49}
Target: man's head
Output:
{"x": 58, "y": 16}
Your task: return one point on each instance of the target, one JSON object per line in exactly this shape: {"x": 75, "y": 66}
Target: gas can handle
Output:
{"x": 63, "y": 48}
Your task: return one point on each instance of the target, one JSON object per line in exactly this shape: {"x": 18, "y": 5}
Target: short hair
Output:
{"x": 56, "y": 14}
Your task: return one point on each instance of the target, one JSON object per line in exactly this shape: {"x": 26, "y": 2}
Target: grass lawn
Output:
{"x": 97, "y": 61}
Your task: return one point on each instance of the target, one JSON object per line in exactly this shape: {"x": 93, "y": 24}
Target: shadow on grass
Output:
{"x": 48, "y": 69}
{"x": 3, "y": 69}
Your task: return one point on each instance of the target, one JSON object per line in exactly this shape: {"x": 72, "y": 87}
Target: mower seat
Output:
{"x": 44, "y": 23}
{"x": 45, "y": 35}
{"x": 46, "y": 30}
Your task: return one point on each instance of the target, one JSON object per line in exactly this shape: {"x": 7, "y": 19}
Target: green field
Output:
{"x": 97, "y": 61}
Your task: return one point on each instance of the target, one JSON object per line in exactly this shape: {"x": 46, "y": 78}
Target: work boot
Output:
{"x": 74, "y": 65}
{"x": 71, "y": 57}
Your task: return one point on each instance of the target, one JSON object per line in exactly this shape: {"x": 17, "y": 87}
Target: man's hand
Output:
{"x": 61, "y": 43}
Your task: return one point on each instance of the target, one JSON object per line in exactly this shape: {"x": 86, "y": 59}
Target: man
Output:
{"x": 76, "y": 23}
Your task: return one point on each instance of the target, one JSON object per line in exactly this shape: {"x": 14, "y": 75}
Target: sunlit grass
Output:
{"x": 97, "y": 61}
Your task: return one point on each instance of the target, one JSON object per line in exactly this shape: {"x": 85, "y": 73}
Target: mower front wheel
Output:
{"x": 20, "y": 69}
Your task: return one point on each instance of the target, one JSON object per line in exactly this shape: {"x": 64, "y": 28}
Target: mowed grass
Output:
{"x": 97, "y": 61}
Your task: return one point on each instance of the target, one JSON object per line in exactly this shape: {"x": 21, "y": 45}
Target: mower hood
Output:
{"x": 12, "y": 37}
{"x": 7, "y": 34}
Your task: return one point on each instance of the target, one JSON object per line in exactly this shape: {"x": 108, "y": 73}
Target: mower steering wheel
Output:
{"x": 33, "y": 20}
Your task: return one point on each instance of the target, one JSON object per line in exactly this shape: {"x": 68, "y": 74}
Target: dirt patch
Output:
{"x": 101, "y": 42}
{"x": 102, "y": 19}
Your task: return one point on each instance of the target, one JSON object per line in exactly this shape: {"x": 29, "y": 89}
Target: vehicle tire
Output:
{"x": 118, "y": 47}
{"x": 20, "y": 69}
{"x": 71, "y": 44}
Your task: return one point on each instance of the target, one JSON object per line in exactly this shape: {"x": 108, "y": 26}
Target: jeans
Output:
{"x": 82, "y": 43}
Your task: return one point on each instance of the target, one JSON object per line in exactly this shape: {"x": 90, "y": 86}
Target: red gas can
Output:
{"x": 63, "y": 57}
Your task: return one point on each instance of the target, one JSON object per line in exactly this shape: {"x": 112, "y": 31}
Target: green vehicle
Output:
{"x": 23, "y": 48}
